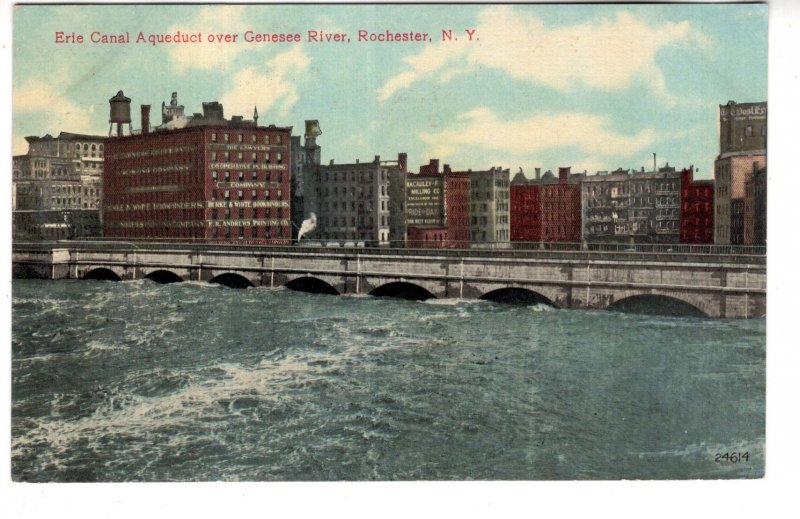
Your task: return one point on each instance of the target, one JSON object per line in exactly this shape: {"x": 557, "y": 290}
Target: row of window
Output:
{"x": 266, "y": 158}
{"x": 226, "y": 176}
{"x": 226, "y": 137}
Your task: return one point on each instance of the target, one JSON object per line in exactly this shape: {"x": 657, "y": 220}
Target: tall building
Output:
{"x": 489, "y": 211}
{"x": 397, "y": 200}
{"x": 354, "y": 201}
{"x": 425, "y": 207}
{"x": 743, "y": 149}
{"x": 457, "y": 190}
{"x": 205, "y": 179}
{"x": 546, "y": 208}
{"x": 755, "y": 208}
{"x": 58, "y": 174}
{"x": 526, "y": 208}
{"x": 697, "y": 209}
{"x": 306, "y": 158}
{"x": 631, "y": 207}
{"x": 560, "y": 204}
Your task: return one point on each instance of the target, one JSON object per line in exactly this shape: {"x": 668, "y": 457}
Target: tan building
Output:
{"x": 743, "y": 150}
{"x": 57, "y": 174}
{"x": 490, "y": 221}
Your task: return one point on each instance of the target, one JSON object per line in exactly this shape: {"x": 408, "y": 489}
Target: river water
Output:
{"x": 136, "y": 381}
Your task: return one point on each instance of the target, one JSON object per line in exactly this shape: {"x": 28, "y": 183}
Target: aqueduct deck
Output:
{"x": 718, "y": 285}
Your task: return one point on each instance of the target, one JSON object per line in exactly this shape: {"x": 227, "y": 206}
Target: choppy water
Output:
{"x": 137, "y": 381}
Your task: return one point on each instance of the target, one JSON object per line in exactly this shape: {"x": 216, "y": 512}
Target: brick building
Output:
{"x": 560, "y": 204}
{"x": 697, "y": 209}
{"x": 457, "y": 189}
{"x": 526, "y": 209}
{"x": 204, "y": 179}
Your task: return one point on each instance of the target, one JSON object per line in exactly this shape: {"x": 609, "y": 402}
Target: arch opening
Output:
{"x": 102, "y": 274}
{"x": 311, "y": 285}
{"x": 402, "y": 290}
{"x": 231, "y": 280}
{"x": 517, "y": 296}
{"x": 164, "y": 277}
{"x": 650, "y": 304}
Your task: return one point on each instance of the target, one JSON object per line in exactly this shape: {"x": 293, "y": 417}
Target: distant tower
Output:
{"x": 173, "y": 111}
{"x": 120, "y": 107}
{"x": 255, "y": 116}
{"x": 313, "y": 155}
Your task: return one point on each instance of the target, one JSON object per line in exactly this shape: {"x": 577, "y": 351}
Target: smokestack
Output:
{"x": 538, "y": 173}
{"x": 402, "y": 160}
{"x": 145, "y": 119}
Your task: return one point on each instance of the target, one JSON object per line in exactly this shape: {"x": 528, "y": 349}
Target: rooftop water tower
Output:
{"x": 120, "y": 107}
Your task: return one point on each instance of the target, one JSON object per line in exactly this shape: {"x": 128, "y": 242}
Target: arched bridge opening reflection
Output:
{"x": 402, "y": 290}
{"x": 102, "y": 274}
{"x": 231, "y": 280}
{"x": 164, "y": 277}
{"x": 517, "y": 296}
{"x": 649, "y": 304}
{"x": 312, "y": 285}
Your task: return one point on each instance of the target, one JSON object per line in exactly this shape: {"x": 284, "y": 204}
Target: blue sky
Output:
{"x": 588, "y": 86}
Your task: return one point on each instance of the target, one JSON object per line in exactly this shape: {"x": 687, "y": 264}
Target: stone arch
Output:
{"x": 103, "y": 274}
{"x": 402, "y": 290}
{"x": 517, "y": 296}
{"x": 164, "y": 276}
{"x": 656, "y": 304}
{"x": 231, "y": 280}
{"x": 311, "y": 285}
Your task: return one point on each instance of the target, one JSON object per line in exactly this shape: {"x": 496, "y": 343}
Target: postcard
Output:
{"x": 388, "y": 242}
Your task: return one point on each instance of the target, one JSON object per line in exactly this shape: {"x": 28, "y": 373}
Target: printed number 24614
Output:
{"x": 732, "y": 457}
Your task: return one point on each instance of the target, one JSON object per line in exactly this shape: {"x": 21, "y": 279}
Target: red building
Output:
{"x": 456, "y": 207}
{"x": 561, "y": 209}
{"x": 526, "y": 210}
{"x": 427, "y": 237}
{"x": 697, "y": 209}
{"x": 210, "y": 180}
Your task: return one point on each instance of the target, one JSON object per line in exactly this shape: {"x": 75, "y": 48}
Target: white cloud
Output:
{"x": 274, "y": 86}
{"x": 41, "y": 99}
{"x": 608, "y": 55}
{"x": 482, "y": 129}
{"x": 210, "y": 20}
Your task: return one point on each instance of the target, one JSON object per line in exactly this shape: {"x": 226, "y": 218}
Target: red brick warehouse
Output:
{"x": 697, "y": 209}
{"x": 200, "y": 178}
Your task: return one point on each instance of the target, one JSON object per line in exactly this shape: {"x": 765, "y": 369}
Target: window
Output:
{"x": 227, "y": 176}
{"x": 241, "y": 175}
{"x": 214, "y": 137}
{"x": 279, "y": 158}
{"x": 213, "y": 175}
{"x": 748, "y": 131}
{"x": 239, "y": 138}
{"x": 278, "y": 139}
{"x": 226, "y": 137}
{"x": 266, "y": 141}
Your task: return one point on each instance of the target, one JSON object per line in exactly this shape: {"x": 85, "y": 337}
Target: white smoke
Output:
{"x": 309, "y": 224}
{"x": 177, "y": 123}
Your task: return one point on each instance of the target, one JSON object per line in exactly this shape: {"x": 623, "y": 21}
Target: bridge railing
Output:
{"x": 556, "y": 251}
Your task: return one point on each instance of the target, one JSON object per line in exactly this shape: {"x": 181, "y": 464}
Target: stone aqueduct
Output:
{"x": 716, "y": 286}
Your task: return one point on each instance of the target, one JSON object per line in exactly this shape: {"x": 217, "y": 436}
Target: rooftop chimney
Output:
{"x": 145, "y": 119}
{"x": 563, "y": 175}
